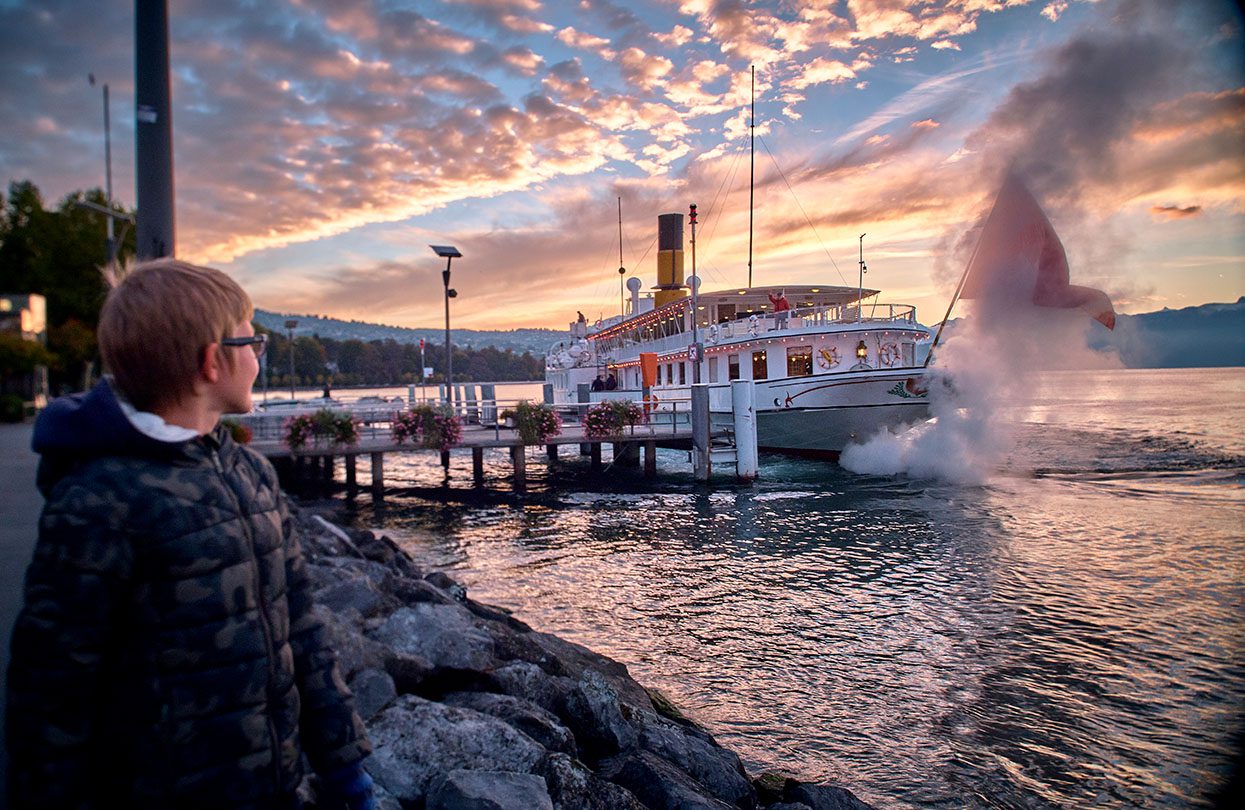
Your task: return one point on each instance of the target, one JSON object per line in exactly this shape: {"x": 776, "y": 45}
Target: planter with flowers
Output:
{"x": 611, "y": 418}
{"x": 323, "y": 428}
{"x": 425, "y": 426}
{"x": 537, "y": 423}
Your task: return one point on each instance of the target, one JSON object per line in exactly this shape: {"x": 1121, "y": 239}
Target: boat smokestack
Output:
{"x": 669, "y": 260}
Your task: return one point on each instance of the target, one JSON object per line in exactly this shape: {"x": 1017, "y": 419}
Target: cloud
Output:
{"x": 927, "y": 123}
{"x": 579, "y": 40}
{"x": 1055, "y": 10}
{"x": 1175, "y": 211}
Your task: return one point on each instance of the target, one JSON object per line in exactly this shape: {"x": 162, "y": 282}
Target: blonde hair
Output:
{"x": 157, "y": 322}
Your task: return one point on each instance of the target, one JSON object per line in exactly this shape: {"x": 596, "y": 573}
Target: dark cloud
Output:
{"x": 1175, "y": 211}
{"x": 1062, "y": 129}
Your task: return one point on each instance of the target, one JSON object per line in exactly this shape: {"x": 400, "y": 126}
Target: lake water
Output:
{"x": 1070, "y": 633}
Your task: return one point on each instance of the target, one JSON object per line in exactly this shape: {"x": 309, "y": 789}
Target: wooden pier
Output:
{"x": 315, "y": 464}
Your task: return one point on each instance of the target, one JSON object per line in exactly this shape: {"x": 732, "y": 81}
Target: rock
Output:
{"x": 355, "y": 651}
{"x": 443, "y": 634}
{"x": 825, "y": 797}
{"x": 409, "y": 672}
{"x": 574, "y": 659}
{"x": 718, "y": 770}
{"x": 595, "y": 716}
{"x": 416, "y": 740}
{"x": 373, "y": 690}
{"x": 771, "y": 786}
{"x": 497, "y": 614}
{"x": 352, "y": 594}
{"x": 413, "y": 591}
{"x": 789, "y": 806}
{"x": 574, "y": 787}
{"x": 658, "y": 784}
{"x": 488, "y": 790}
{"x": 443, "y": 581}
{"x": 526, "y": 680}
{"x": 537, "y": 723}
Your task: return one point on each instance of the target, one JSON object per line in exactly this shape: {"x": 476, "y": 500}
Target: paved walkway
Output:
{"x": 20, "y": 504}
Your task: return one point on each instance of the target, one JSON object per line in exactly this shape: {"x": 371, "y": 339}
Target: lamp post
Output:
{"x": 450, "y": 253}
{"x": 112, "y": 242}
{"x": 695, "y": 282}
{"x": 290, "y": 326}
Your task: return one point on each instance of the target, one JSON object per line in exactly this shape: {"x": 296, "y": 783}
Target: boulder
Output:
{"x": 445, "y": 583}
{"x": 446, "y": 635}
{"x": 356, "y": 593}
{"x": 594, "y": 714}
{"x": 658, "y": 784}
{"x": 825, "y": 797}
{"x": 415, "y": 741}
{"x": 409, "y": 672}
{"x": 412, "y": 591}
{"x": 488, "y": 790}
{"x": 373, "y": 690}
{"x": 344, "y": 636}
{"x": 528, "y": 681}
{"x": 718, "y": 770}
{"x": 537, "y": 723}
{"x": 574, "y": 787}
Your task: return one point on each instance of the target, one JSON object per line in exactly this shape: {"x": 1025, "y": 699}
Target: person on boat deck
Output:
{"x": 598, "y": 384}
{"x": 782, "y": 308}
{"x": 581, "y": 319}
{"x": 167, "y": 654}
{"x": 611, "y": 382}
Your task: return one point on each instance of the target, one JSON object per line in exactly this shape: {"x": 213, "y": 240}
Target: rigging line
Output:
{"x": 782, "y": 174}
{"x": 712, "y": 213}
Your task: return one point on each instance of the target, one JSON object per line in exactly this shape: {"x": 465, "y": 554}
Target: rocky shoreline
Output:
{"x": 470, "y": 708}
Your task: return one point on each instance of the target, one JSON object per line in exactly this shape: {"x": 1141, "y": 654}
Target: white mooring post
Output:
{"x": 743, "y": 406}
{"x": 700, "y": 431}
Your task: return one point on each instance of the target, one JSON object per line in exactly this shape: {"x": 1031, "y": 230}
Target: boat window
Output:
{"x": 713, "y": 369}
{"x": 760, "y": 366}
{"x": 909, "y": 353}
{"x": 659, "y": 374}
{"x": 726, "y": 313}
{"x": 799, "y": 361}
{"x": 670, "y": 374}
{"x": 682, "y": 373}
{"x": 733, "y": 367}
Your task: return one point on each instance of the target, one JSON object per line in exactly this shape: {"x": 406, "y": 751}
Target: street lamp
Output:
{"x": 112, "y": 243}
{"x": 290, "y": 326}
{"x": 450, "y": 253}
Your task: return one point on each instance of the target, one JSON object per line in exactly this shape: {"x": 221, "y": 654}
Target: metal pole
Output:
{"x": 291, "y": 329}
{"x": 622, "y": 271}
{"x": 752, "y": 128}
{"x": 153, "y": 124}
{"x": 112, "y": 242}
{"x": 695, "y": 312}
{"x": 860, "y": 290}
{"x": 449, "y": 355}
{"x": 700, "y": 431}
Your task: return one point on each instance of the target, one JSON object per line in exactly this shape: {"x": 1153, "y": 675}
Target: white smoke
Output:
{"x": 981, "y": 386}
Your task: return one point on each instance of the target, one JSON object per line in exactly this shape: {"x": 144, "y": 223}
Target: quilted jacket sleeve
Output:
{"x": 77, "y": 578}
{"x": 332, "y": 732}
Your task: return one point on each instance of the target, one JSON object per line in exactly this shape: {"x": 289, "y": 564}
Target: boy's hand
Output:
{"x": 351, "y": 786}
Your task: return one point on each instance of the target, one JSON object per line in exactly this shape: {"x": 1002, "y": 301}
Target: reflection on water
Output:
{"x": 1071, "y": 634}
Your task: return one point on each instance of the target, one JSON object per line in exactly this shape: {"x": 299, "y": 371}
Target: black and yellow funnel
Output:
{"x": 669, "y": 260}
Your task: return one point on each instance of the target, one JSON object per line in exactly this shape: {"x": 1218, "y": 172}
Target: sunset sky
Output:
{"x": 320, "y": 146}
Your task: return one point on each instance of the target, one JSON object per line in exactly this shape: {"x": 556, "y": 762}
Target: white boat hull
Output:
{"x": 821, "y": 415}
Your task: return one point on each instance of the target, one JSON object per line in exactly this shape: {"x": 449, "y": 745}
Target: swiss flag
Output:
{"x": 1020, "y": 258}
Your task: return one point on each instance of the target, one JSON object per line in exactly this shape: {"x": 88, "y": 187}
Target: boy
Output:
{"x": 166, "y": 654}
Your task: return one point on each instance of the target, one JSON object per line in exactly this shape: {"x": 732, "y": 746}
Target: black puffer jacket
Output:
{"x": 166, "y": 655}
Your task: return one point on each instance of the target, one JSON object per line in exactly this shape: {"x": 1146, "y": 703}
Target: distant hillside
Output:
{"x": 1206, "y": 335}
{"x": 536, "y": 341}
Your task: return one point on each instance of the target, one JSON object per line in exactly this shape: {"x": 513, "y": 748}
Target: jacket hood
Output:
{"x": 80, "y": 427}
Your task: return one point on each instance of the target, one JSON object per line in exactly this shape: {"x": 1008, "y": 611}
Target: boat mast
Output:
{"x": 622, "y": 271}
{"x": 752, "y": 162}
{"x": 860, "y": 291}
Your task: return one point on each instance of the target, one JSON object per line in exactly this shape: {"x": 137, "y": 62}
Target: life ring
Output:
{"x": 712, "y": 334}
{"x": 888, "y": 355}
{"x": 753, "y": 325}
{"x": 650, "y": 404}
{"x": 828, "y": 357}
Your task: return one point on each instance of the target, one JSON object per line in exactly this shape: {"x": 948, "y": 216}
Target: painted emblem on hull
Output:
{"x": 909, "y": 389}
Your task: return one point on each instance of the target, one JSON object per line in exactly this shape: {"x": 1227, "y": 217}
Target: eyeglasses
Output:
{"x": 256, "y": 342}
